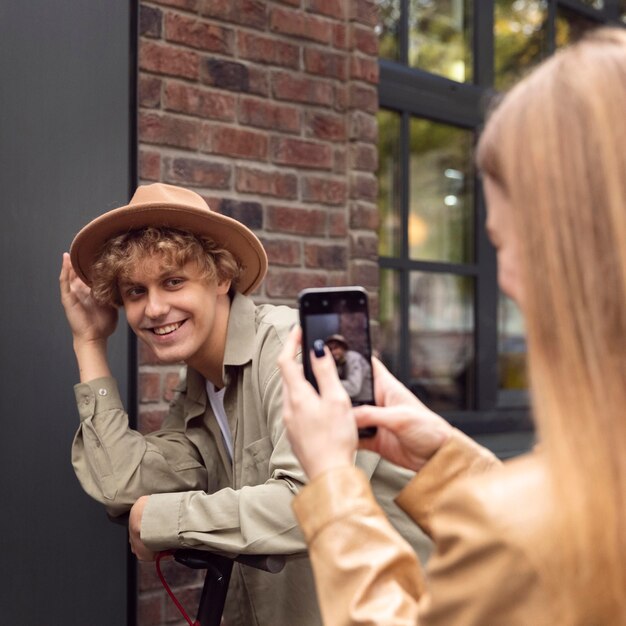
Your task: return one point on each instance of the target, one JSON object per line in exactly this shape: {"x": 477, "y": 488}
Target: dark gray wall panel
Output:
{"x": 65, "y": 137}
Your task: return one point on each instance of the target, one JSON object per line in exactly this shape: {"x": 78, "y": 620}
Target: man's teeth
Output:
{"x": 165, "y": 330}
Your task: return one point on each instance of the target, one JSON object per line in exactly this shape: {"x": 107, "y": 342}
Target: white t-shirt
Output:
{"x": 216, "y": 398}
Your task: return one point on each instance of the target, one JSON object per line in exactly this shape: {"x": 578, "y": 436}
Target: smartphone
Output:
{"x": 339, "y": 318}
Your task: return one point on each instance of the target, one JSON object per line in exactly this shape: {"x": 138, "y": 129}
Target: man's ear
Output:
{"x": 223, "y": 287}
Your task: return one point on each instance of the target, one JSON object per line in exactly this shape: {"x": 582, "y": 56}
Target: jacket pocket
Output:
{"x": 256, "y": 462}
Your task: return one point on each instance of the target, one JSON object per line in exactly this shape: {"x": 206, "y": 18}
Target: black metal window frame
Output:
{"x": 414, "y": 92}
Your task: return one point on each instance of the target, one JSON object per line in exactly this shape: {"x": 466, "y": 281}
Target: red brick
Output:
{"x": 168, "y": 130}
{"x": 197, "y": 172}
{"x": 363, "y": 98}
{"x": 225, "y": 74}
{"x": 149, "y": 91}
{"x": 172, "y": 380}
{"x": 188, "y": 5}
{"x": 330, "y": 8}
{"x": 283, "y": 252}
{"x": 300, "y": 153}
{"x": 205, "y": 103}
{"x": 266, "y": 183}
{"x": 165, "y": 59}
{"x": 149, "y": 421}
{"x": 149, "y": 387}
{"x": 340, "y": 36}
{"x": 326, "y": 126}
{"x": 340, "y": 161}
{"x": 364, "y": 187}
{"x": 150, "y": 609}
{"x": 337, "y": 224}
{"x": 342, "y": 97}
{"x": 328, "y": 64}
{"x": 324, "y": 190}
{"x": 298, "y": 221}
{"x": 150, "y": 21}
{"x": 365, "y": 69}
{"x": 328, "y": 257}
{"x": 234, "y": 142}
{"x": 270, "y": 50}
{"x": 298, "y": 88}
{"x": 365, "y": 273}
{"x": 300, "y": 25}
{"x": 364, "y": 156}
{"x": 264, "y": 114}
{"x": 363, "y": 127}
{"x": 365, "y": 12}
{"x": 199, "y": 34}
{"x": 246, "y": 12}
{"x": 289, "y": 283}
{"x": 248, "y": 213}
{"x": 364, "y": 40}
{"x": 259, "y": 81}
{"x": 364, "y": 216}
{"x": 149, "y": 165}
{"x": 364, "y": 246}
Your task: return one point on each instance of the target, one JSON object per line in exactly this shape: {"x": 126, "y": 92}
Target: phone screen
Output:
{"x": 339, "y": 318}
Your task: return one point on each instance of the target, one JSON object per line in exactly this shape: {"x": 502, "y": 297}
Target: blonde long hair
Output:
{"x": 557, "y": 146}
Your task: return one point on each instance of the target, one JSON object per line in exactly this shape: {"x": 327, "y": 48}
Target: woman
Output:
{"x": 541, "y": 539}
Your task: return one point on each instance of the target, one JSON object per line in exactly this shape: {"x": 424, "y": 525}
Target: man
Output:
{"x": 220, "y": 474}
{"x": 354, "y": 371}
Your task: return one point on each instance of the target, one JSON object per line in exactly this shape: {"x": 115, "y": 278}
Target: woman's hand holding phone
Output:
{"x": 409, "y": 433}
{"x": 321, "y": 427}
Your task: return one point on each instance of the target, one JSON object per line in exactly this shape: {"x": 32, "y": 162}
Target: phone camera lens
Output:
{"x": 325, "y": 302}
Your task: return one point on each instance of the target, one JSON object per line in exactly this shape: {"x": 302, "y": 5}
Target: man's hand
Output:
{"x": 134, "y": 531}
{"x": 89, "y": 321}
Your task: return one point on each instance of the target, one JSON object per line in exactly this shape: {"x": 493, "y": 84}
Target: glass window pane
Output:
{"x": 440, "y": 37}
{"x": 387, "y": 342}
{"x": 511, "y": 349}
{"x": 388, "y": 29}
{"x": 571, "y": 26}
{"x": 520, "y": 38}
{"x": 390, "y": 226}
{"x": 441, "y": 323}
{"x": 441, "y": 210}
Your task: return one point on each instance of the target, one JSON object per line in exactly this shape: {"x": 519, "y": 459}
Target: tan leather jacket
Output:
{"x": 484, "y": 571}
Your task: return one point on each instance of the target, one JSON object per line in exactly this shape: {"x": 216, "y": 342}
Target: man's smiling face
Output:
{"x": 172, "y": 310}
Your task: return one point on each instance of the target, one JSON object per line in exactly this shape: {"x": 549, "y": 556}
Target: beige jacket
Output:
{"x": 485, "y": 570}
{"x": 203, "y": 500}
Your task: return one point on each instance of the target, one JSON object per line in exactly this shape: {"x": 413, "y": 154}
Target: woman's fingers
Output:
{"x": 325, "y": 372}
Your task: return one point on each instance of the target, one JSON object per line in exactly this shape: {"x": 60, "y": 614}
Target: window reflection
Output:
{"x": 440, "y": 37}
{"x": 441, "y": 352}
{"x": 511, "y": 348}
{"x": 520, "y": 38}
{"x": 441, "y": 210}
{"x": 388, "y": 29}
{"x": 389, "y": 232}
{"x": 388, "y": 345}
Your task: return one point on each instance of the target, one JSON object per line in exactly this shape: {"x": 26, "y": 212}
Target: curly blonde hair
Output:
{"x": 176, "y": 248}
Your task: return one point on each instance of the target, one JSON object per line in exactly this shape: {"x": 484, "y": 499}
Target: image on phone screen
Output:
{"x": 338, "y": 317}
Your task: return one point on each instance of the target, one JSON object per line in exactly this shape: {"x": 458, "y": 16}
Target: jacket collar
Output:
{"x": 238, "y": 351}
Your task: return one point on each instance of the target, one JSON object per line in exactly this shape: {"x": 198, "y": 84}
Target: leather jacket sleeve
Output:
{"x": 366, "y": 574}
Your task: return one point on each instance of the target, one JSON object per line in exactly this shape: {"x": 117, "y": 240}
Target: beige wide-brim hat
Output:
{"x": 166, "y": 205}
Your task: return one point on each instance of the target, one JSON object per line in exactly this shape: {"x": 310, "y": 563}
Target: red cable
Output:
{"x": 179, "y": 606}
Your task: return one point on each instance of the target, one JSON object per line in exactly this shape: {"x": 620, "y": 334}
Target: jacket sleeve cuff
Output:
{"x": 160, "y": 522}
{"x": 458, "y": 457}
{"x": 96, "y": 396}
{"x": 338, "y": 493}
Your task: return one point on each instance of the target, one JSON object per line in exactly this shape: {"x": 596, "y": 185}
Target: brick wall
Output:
{"x": 267, "y": 109}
